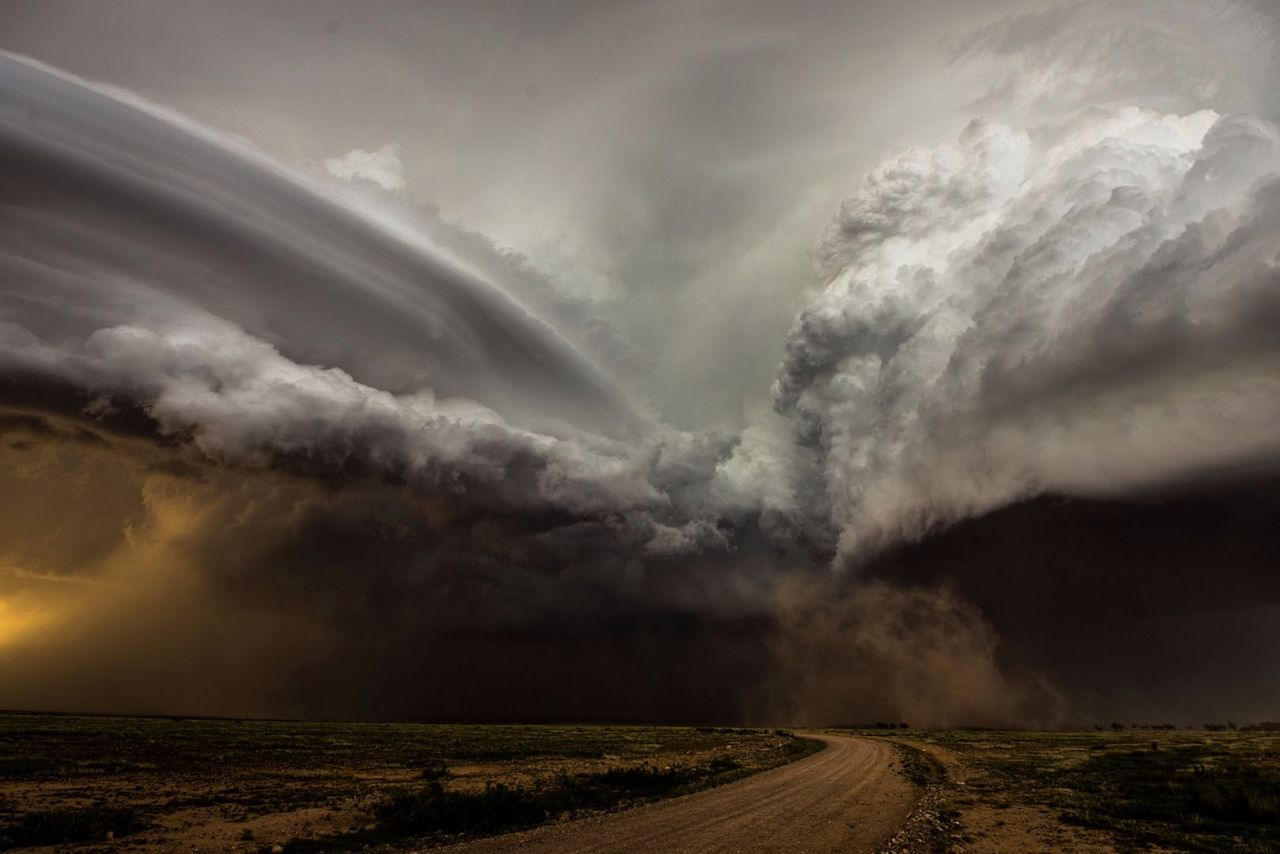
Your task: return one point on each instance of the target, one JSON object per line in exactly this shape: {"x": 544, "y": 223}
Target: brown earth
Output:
{"x": 1004, "y": 826}
{"x": 246, "y": 786}
{"x": 848, "y": 797}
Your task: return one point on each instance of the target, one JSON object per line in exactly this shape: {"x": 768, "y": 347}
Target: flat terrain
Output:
{"x": 1128, "y": 790}
{"x": 101, "y": 783}
{"x": 848, "y": 798}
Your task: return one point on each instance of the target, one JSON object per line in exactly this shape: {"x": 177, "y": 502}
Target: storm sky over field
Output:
{"x": 734, "y": 361}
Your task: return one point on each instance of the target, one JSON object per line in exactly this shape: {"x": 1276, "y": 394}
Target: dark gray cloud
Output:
{"x": 1158, "y": 606}
{"x": 441, "y": 370}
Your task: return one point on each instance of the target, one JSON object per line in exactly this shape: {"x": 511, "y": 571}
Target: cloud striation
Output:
{"x": 255, "y": 413}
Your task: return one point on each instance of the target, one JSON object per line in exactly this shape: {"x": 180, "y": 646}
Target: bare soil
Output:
{"x": 850, "y": 797}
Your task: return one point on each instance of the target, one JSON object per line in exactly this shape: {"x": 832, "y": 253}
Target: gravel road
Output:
{"x": 847, "y": 798}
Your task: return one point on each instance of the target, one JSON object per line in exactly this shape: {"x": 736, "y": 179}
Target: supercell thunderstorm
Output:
{"x": 346, "y": 445}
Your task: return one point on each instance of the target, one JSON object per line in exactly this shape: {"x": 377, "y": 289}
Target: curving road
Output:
{"x": 845, "y": 798}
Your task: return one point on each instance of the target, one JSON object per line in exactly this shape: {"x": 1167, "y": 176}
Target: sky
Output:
{"x": 668, "y": 361}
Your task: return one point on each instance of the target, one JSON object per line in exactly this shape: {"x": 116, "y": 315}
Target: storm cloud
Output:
{"x": 449, "y": 421}
{"x": 1093, "y": 316}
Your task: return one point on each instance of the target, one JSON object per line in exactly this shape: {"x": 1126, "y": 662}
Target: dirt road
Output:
{"x": 845, "y": 798}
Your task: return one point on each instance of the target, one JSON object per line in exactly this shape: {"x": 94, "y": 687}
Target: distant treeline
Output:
{"x": 1262, "y": 726}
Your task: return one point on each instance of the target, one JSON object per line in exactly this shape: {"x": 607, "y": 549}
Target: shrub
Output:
{"x": 53, "y": 827}
{"x": 435, "y": 769}
{"x": 499, "y": 808}
{"x": 433, "y": 810}
{"x": 723, "y": 763}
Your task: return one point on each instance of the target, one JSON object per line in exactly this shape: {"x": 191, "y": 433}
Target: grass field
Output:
{"x": 94, "y": 783}
{"x": 1181, "y": 790}
{"x": 78, "y": 782}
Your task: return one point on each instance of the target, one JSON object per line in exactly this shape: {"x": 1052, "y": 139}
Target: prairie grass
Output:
{"x": 384, "y": 784}
{"x": 1186, "y": 790}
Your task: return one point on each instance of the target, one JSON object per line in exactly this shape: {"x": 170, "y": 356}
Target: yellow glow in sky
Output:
{"x": 18, "y": 617}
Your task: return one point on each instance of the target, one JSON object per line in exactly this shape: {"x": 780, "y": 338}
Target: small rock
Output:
{"x": 277, "y": 849}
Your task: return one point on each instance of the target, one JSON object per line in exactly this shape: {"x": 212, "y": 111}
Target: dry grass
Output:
{"x": 1184, "y": 790}
{"x": 248, "y": 785}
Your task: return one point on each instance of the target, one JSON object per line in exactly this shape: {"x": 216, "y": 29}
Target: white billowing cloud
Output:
{"x": 382, "y": 167}
{"x": 1091, "y": 313}
{"x": 949, "y": 190}
{"x": 238, "y": 401}
{"x": 691, "y": 538}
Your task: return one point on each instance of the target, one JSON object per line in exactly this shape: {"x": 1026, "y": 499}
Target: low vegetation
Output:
{"x": 250, "y": 785}
{"x": 433, "y": 810}
{"x": 1151, "y": 787}
{"x": 60, "y": 826}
